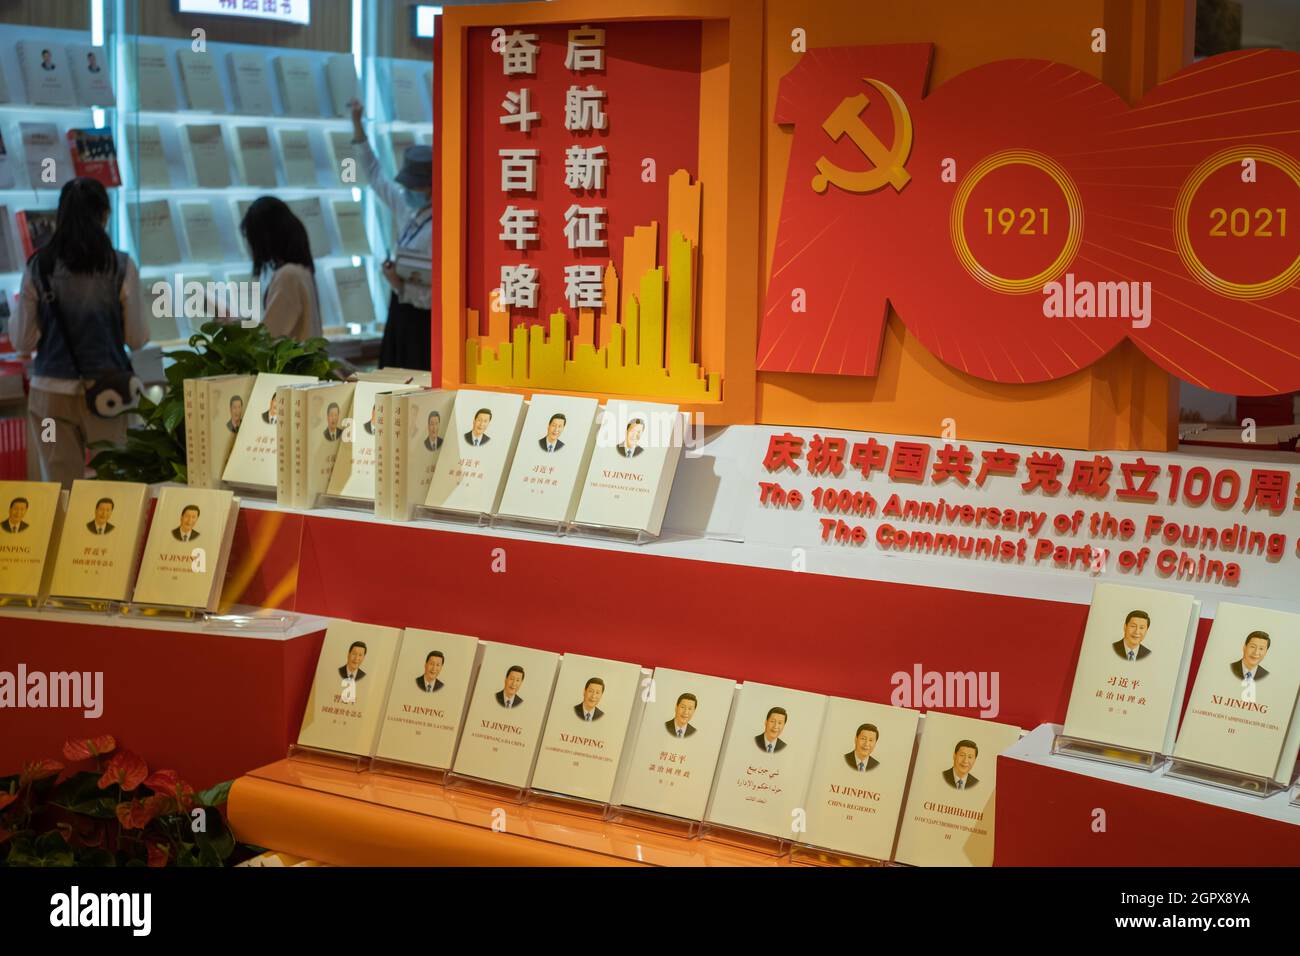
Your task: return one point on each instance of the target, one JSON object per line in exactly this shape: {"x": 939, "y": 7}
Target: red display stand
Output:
{"x": 1047, "y": 815}
{"x": 709, "y": 614}
{"x": 209, "y": 705}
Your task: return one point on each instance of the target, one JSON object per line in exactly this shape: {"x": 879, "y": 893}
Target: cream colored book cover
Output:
{"x": 348, "y": 168}
{"x": 211, "y": 163}
{"x": 1242, "y": 703}
{"x": 200, "y": 81}
{"x": 227, "y": 399}
{"x": 350, "y": 218}
{"x": 42, "y": 142}
{"x": 46, "y": 73}
{"x": 256, "y": 160}
{"x": 1132, "y": 671}
{"x": 407, "y": 99}
{"x": 341, "y": 78}
{"x": 308, "y": 209}
{"x": 506, "y": 712}
{"x": 295, "y": 153}
{"x": 768, "y": 759}
{"x": 582, "y": 744}
{"x": 632, "y": 466}
{"x": 153, "y": 80}
{"x": 553, "y": 454}
{"x": 297, "y": 79}
{"x": 90, "y": 75}
{"x": 146, "y": 145}
{"x": 201, "y": 232}
{"x": 27, "y": 534}
{"x": 425, "y": 706}
{"x": 354, "y": 469}
{"x": 100, "y": 542}
{"x": 327, "y": 408}
{"x": 250, "y": 83}
{"x": 155, "y": 234}
{"x": 352, "y": 283}
{"x": 479, "y": 443}
{"x": 252, "y": 460}
{"x": 671, "y": 766}
{"x": 425, "y": 415}
{"x": 948, "y": 820}
{"x": 184, "y": 558}
{"x": 347, "y": 698}
{"x": 860, "y": 776}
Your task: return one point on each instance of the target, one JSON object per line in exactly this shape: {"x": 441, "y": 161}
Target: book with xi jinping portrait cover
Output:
{"x": 1133, "y": 667}
{"x": 770, "y": 751}
{"x": 430, "y": 686}
{"x": 506, "y": 708}
{"x": 858, "y": 782}
{"x": 252, "y": 461}
{"x": 582, "y": 745}
{"x": 29, "y": 525}
{"x": 185, "y": 554}
{"x": 479, "y": 443}
{"x": 1241, "y": 713}
{"x": 99, "y": 546}
{"x": 948, "y": 819}
{"x": 349, "y": 689}
{"x": 678, "y": 740}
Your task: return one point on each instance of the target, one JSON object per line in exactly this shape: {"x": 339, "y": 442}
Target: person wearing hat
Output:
{"x": 408, "y": 332}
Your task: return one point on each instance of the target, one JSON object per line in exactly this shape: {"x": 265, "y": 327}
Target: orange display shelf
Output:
{"x": 369, "y": 819}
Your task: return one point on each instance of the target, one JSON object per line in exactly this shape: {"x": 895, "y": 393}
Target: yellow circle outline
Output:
{"x": 1056, "y": 172}
{"x": 1183, "y": 240}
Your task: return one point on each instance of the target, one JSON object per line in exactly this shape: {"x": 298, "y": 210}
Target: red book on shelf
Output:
{"x": 35, "y": 226}
{"x": 94, "y": 155}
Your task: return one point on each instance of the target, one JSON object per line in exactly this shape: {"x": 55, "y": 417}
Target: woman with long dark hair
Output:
{"x": 283, "y": 264}
{"x": 79, "y": 308}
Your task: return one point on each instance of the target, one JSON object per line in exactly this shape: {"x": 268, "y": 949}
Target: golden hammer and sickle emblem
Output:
{"x": 887, "y": 162}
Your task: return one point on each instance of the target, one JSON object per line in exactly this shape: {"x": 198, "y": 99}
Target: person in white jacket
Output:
{"x": 408, "y": 335}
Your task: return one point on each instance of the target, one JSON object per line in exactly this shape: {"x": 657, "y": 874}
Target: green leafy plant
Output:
{"x": 156, "y": 451}
{"x": 101, "y": 810}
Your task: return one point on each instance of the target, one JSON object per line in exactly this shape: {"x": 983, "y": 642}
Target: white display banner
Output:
{"x": 285, "y": 11}
{"x": 1199, "y": 524}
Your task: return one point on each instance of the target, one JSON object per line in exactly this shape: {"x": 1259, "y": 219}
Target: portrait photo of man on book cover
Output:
{"x": 428, "y": 680}
{"x": 1136, "y": 625}
{"x": 477, "y": 435}
{"x": 773, "y": 724}
{"x": 99, "y": 523}
{"x": 14, "y": 524}
{"x": 433, "y": 441}
{"x": 587, "y": 709}
{"x": 550, "y": 442}
{"x": 959, "y": 775}
{"x": 236, "y": 413}
{"x": 508, "y": 696}
{"x": 332, "y": 430}
{"x": 1248, "y": 669}
{"x": 679, "y": 725}
{"x": 185, "y": 530}
{"x": 864, "y": 742}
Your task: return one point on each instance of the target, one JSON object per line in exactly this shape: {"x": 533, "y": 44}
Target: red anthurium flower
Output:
{"x": 137, "y": 814}
{"x": 157, "y": 854}
{"x": 125, "y": 769}
{"x": 6, "y": 799}
{"x": 169, "y": 782}
{"x": 38, "y": 770}
{"x": 75, "y": 749}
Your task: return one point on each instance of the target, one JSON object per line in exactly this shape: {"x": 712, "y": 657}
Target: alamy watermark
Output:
{"x": 56, "y": 690}
{"x": 206, "y": 300}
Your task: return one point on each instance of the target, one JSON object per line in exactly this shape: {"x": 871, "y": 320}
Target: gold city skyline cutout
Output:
{"x": 635, "y": 346}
